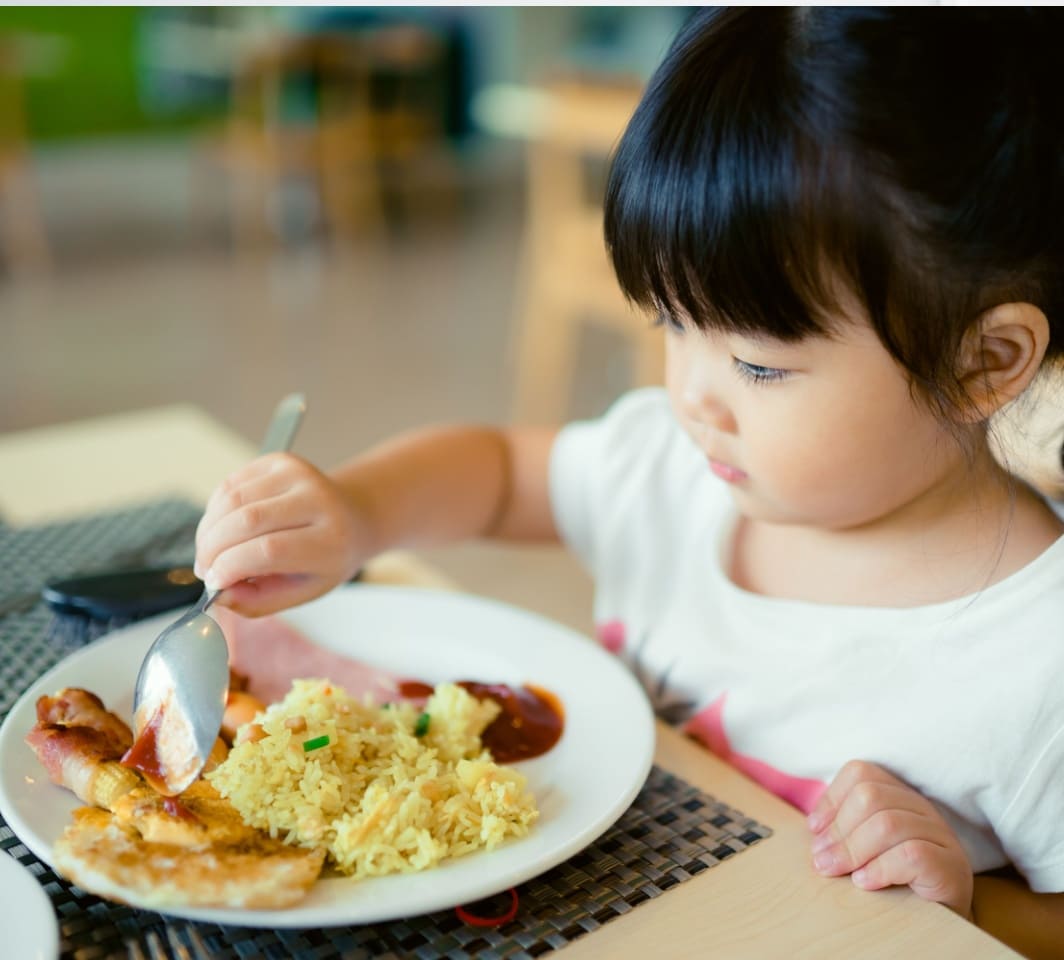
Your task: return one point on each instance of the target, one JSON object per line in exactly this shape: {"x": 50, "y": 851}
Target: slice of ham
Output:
{"x": 272, "y": 653}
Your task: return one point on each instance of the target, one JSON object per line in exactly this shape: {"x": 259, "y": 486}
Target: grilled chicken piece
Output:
{"x": 152, "y": 854}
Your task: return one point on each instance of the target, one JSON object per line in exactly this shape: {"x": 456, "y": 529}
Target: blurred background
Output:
{"x": 394, "y": 210}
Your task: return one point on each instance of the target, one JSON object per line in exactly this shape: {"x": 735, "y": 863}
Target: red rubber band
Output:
{"x": 473, "y": 920}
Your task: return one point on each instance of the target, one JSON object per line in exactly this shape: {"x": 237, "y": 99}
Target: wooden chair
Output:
{"x": 25, "y": 240}
{"x": 566, "y": 279}
{"x": 338, "y": 136}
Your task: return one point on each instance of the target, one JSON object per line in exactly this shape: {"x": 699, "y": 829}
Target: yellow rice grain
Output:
{"x": 377, "y": 797}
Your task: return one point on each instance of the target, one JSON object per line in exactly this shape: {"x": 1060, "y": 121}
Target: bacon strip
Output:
{"x": 79, "y": 743}
{"x": 74, "y": 707}
{"x": 71, "y": 754}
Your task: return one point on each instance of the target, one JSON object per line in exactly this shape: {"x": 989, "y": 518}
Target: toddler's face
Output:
{"x": 824, "y": 433}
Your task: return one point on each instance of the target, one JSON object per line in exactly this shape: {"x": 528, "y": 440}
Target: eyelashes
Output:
{"x": 755, "y": 373}
{"x": 751, "y": 372}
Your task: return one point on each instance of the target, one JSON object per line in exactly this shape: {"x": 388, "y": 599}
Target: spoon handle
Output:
{"x": 286, "y": 420}
{"x": 205, "y": 600}
{"x": 279, "y": 436}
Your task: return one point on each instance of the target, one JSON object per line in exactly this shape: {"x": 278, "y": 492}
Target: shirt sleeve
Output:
{"x": 590, "y": 461}
{"x": 1032, "y": 827}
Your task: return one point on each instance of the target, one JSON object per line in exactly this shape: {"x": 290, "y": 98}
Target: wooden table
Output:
{"x": 766, "y": 903}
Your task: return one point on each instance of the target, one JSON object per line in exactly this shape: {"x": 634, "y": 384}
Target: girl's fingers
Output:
{"x": 871, "y": 837}
{"x": 275, "y": 533}
{"x": 295, "y": 551}
{"x": 853, "y": 773}
{"x": 866, "y": 800}
{"x": 250, "y": 522}
{"x": 872, "y": 825}
{"x": 934, "y": 873}
{"x": 266, "y": 595}
{"x": 241, "y": 516}
{"x": 263, "y": 477}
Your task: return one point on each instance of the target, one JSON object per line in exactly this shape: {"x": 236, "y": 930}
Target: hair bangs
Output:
{"x": 717, "y": 215}
{"x": 789, "y": 170}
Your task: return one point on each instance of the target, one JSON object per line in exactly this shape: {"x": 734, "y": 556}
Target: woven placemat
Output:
{"x": 672, "y": 831}
{"x": 32, "y": 640}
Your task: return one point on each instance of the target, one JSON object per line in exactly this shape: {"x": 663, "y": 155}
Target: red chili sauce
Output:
{"x": 530, "y": 723}
{"x": 144, "y": 754}
{"x": 174, "y": 807}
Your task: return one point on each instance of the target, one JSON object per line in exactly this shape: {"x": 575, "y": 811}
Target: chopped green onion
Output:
{"x": 422, "y": 726}
{"x": 315, "y": 743}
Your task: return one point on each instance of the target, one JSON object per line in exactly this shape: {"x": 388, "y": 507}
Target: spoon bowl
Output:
{"x": 183, "y": 683}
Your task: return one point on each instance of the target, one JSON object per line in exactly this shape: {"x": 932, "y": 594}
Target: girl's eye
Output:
{"x": 758, "y": 374}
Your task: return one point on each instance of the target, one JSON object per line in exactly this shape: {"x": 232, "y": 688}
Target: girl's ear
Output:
{"x": 1001, "y": 354}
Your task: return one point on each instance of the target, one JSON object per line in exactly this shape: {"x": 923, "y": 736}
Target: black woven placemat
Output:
{"x": 672, "y": 831}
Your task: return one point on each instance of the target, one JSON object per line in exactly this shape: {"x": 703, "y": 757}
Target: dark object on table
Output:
{"x": 124, "y": 594}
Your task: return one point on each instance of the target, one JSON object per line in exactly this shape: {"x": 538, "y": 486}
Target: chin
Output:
{"x": 750, "y": 507}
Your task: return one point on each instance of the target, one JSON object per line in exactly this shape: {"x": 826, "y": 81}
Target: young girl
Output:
{"x": 850, "y": 223}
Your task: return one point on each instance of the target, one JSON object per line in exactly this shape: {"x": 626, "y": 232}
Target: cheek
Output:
{"x": 796, "y": 455}
{"x": 842, "y": 462}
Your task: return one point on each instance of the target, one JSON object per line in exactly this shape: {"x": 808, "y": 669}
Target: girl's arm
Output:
{"x": 1031, "y": 923}
{"x": 279, "y": 532}
{"x": 446, "y": 484}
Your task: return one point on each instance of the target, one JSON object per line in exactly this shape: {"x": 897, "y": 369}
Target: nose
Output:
{"x": 708, "y": 411}
{"x": 702, "y": 402}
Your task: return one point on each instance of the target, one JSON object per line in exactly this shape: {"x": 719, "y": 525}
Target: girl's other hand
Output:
{"x": 277, "y": 533}
{"x": 884, "y": 833}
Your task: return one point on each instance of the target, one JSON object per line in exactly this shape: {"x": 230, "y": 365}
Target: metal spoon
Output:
{"x": 183, "y": 682}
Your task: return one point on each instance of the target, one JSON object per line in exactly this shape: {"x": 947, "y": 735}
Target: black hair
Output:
{"x": 915, "y": 155}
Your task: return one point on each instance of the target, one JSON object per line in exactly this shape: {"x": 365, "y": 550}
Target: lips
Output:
{"x": 726, "y": 471}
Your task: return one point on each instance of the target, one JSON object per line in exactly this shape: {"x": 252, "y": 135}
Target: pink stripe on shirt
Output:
{"x": 708, "y": 727}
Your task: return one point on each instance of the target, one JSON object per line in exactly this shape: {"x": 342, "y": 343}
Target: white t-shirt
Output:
{"x": 963, "y": 700}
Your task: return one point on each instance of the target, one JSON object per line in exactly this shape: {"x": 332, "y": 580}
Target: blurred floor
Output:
{"x": 148, "y": 304}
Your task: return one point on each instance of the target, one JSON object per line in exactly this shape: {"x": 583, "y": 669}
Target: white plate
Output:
{"x": 26, "y": 915}
{"x": 581, "y": 786}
